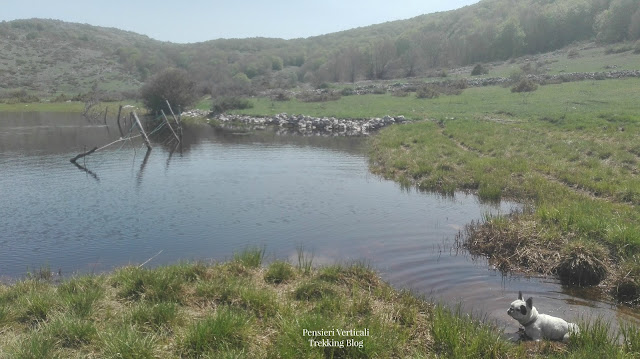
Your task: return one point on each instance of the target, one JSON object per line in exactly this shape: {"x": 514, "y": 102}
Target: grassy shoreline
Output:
{"x": 242, "y": 309}
{"x": 575, "y": 169}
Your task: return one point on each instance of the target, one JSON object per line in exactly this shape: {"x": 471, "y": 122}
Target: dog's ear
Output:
{"x": 523, "y": 310}
{"x": 520, "y": 295}
{"x": 530, "y": 303}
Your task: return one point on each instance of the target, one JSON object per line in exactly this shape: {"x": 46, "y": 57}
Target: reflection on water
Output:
{"x": 220, "y": 191}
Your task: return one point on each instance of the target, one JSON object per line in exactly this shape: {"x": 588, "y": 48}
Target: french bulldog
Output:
{"x": 540, "y": 326}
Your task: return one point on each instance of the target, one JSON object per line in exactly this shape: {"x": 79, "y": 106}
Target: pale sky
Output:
{"x": 188, "y": 21}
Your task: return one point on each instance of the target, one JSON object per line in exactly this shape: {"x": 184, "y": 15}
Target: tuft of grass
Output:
{"x": 36, "y": 307}
{"x": 583, "y": 263}
{"x": 80, "y": 294}
{"x": 250, "y": 257}
{"x": 127, "y": 342}
{"x": 279, "y": 272}
{"x": 154, "y": 315}
{"x": 627, "y": 282}
{"x": 71, "y": 332}
{"x": 36, "y": 346}
{"x": 226, "y": 330}
{"x": 159, "y": 285}
{"x": 313, "y": 290}
{"x": 305, "y": 261}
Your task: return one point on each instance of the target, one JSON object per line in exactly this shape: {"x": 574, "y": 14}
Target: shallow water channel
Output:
{"x": 223, "y": 191}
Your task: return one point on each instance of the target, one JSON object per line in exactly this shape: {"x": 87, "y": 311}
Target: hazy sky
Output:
{"x": 200, "y": 20}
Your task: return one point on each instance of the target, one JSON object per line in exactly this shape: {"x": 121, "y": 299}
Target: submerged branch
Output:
{"x": 73, "y": 160}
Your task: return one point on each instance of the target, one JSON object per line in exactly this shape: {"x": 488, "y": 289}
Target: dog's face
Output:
{"x": 520, "y": 310}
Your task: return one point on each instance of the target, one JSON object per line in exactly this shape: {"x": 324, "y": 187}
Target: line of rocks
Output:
{"x": 493, "y": 81}
{"x": 302, "y": 123}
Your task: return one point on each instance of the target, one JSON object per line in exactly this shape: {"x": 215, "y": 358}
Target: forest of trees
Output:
{"x": 487, "y": 31}
{"x": 491, "y": 30}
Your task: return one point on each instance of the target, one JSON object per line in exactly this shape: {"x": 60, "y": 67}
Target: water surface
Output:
{"x": 222, "y": 191}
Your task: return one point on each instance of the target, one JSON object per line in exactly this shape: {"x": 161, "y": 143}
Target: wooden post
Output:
{"x": 169, "y": 124}
{"x": 172, "y": 114}
{"x": 144, "y": 134}
{"x": 179, "y": 123}
{"x": 119, "y": 127}
{"x": 105, "y": 115}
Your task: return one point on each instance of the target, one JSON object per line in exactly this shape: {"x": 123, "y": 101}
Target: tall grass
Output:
{"x": 251, "y": 257}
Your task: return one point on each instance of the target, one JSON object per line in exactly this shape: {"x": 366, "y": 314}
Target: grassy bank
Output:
{"x": 570, "y": 151}
{"x": 241, "y": 309}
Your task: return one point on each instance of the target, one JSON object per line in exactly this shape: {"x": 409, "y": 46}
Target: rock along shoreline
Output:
{"x": 307, "y": 124}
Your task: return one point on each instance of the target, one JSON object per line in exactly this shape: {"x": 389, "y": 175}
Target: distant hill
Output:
{"x": 47, "y": 58}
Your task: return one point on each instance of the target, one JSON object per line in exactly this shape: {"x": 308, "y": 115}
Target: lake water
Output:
{"x": 224, "y": 191}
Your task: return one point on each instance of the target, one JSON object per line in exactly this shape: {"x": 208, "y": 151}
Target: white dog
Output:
{"x": 540, "y": 326}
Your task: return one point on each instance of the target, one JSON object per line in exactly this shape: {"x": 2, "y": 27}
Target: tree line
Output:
{"x": 490, "y": 30}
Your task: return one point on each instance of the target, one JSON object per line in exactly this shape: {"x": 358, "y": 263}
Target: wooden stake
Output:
{"x": 173, "y": 114}
{"x": 119, "y": 127}
{"x": 168, "y": 124}
{"x": 144, "y": 134}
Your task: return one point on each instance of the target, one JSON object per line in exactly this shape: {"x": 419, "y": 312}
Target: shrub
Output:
{"x": 400, "y": 93}
{"x": 225, "y": 104}
{"x": 525, "y": 85}
{"x": 573, "y": 53}
{"x": 479, "y": 70}
{"x": 617, "y": 49}
{"x": 319, "y": 96}
{"x": 170, "y": 84}
{"x": 427, "y": 91}
{"x": 279, "y": 95}
{"x": 347, "y": 91}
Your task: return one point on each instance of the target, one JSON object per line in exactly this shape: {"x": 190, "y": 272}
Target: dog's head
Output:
{"x": 521, "y": 310}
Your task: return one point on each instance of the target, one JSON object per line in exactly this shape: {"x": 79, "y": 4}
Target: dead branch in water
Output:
{"x": 73, "y": 160}
{"x": 148, "y": 260}
{"x": 89, "y": 172}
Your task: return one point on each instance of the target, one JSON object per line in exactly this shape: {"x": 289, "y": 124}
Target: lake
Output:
{"x": 222, "y": 191}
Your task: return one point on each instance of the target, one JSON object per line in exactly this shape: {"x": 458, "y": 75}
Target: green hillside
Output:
{"x": 46, "y": 58}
